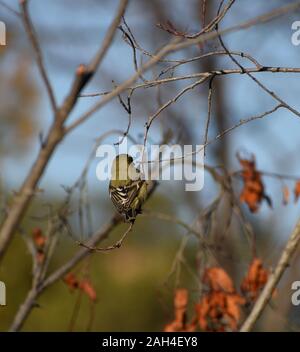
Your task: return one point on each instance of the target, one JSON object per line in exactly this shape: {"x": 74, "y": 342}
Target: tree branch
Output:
{"x": 37, "y": 50}
{"x": 39, "y": 287}
{"x": 55, "y": 135}
{"x": 273, "y": 280}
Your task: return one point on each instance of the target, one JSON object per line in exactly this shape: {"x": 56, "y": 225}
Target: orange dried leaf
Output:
{"x": 253, "y": 192}
{"x": 285, "y": 195}
{"x": 202, "y": 310}
{"x": 179, "y": 323}
{"x": 172, "y": 327}
{"x": 71, "y": 281}
{"x": 38, "y": 238}
{"x": 233, "y": 302}
{"x": 181, "y": 298}
{"x": 87, "y": 287}
{"x": 297, "y": 190}
{"x": 219, "y": 311}
{"x": 217, "y": 279}
{"x": 255, "y": 280}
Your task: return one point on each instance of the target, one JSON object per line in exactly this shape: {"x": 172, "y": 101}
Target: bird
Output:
{"x": 127, "y": 189}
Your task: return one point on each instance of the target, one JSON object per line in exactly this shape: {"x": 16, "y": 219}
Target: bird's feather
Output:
{"x": 125, "y": 198}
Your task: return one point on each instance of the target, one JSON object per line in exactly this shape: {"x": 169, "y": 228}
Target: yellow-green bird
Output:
{"x": 127, "y": 189}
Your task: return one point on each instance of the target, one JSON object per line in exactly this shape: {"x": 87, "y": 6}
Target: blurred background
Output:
{"x": 135, "y": 284}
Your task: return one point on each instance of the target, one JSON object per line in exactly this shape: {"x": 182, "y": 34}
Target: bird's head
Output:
{"x": 121, "y": 166}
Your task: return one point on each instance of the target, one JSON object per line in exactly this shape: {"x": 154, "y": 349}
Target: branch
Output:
{"x": 24, "y": 309}
{"x": 274, "y": 278}
{"x": 81, "y": 254}
{"x": 177, "y": 45}
{"x": 224, "y": 132}
{"x": 261, "y": 85}
{"x": 35, "y": 292}
{"x": 169, "y": 27}
{"x": 37, "y": 50}
{"x": 56, "y": 132}
{"x": 209, "y": 105}
{"x": 116, "y": 245}
{"x": 153, "y": 83}
{"x": 109, "y": 35}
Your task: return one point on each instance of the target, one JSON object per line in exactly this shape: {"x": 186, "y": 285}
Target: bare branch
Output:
{"x": 273, "y": 280}
{"x": 56, "y": 132}
{"x": 153, "y": 83}
{"x": 209, "y": 103}
{"x": 37, "y": 50}
{"x": 109, "y": 36}
{"x": 169, "y": 27}
{"x": 176, "y": 45}
{"x": 81, "y": 254}
{"x": 116, "y": 245}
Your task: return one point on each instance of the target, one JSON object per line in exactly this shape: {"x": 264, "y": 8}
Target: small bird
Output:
{"x": 127, "y": 189}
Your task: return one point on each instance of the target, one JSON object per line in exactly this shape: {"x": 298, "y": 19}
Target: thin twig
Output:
{"x": 154, "y": 83}
{"x": 209, "y": 100}
{"x": 176, "y": 45}
{"x": 169, "y": 27}
{"x": 261, "y": 85}
{"x": 222, "y": 134}
{"x": 116, "y": 245}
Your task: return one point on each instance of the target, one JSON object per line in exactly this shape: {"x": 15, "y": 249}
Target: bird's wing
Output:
{"x": 134, "y": 190}
{"x": 123, "y": 196}
{"x": 119, "y": 197}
